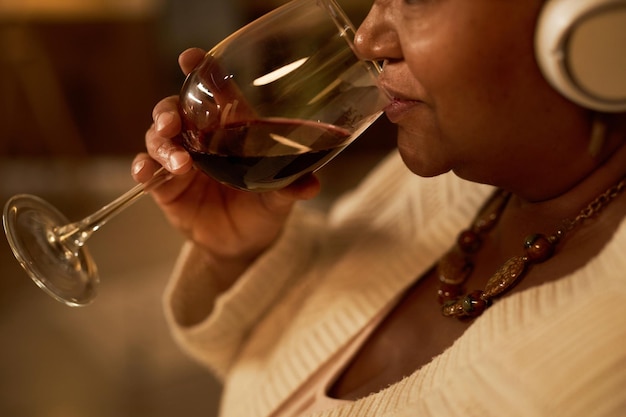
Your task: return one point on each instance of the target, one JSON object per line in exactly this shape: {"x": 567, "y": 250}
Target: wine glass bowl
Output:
{"x": 275, "y": 100}
{"x": 279, "y": 98}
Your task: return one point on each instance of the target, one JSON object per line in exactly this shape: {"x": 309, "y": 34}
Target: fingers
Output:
{"x": 143, "y": 167}
{"x": 281, "y": 201}
{"x": 166, "y": 117}
{"x": 190, "y": 58}
{"x": 167, "y": 126}
{"x": 160, "y": 141}
{"x": 304, "y": 188}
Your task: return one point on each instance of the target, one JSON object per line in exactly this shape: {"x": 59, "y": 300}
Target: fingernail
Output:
{"x": 138, "y": 167}
{"x": 178, "y": 159}
{"x": 163, "y": 119}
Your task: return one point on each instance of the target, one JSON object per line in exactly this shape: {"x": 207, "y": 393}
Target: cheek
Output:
{"x": 472, "y": 102}
{"x": 477, "y": 80}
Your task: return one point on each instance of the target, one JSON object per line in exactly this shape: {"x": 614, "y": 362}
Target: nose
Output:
{"x": 376, "y": 39}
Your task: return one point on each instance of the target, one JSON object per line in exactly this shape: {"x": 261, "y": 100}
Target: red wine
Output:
{"x": 264, "y": 154}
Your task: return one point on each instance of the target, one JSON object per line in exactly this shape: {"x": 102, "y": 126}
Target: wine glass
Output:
{"x": 273, "y": 101}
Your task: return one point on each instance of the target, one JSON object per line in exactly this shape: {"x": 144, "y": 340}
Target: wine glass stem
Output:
{"x": 74, "y": 235}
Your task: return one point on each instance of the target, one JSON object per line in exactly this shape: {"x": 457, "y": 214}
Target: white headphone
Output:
{"x": 581, "y": 50}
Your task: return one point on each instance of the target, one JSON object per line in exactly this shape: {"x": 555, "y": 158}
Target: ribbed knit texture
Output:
{"x": 558, "y": 349}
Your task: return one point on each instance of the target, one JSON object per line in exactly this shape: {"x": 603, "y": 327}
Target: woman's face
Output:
{"x": 468, "y": 95}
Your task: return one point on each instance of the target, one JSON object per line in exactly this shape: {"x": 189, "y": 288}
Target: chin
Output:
{"x": 421, "y": 167}
{"x": 422, "y": 151}
{"x": 420, "y": 162}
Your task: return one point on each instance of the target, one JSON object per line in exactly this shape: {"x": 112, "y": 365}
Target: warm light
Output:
{"x": 288, "y": 142}
{"x": 279, "y": 73}
{"x": 78, "y": 8}
{"x": 192, "y": 97}
{"x": 205, "y": 90}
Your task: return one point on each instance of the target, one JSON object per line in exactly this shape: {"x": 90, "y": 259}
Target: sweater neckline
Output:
{"x": 510, "y": 315}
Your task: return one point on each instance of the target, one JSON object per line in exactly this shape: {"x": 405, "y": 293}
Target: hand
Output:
{"x": 232, "y": 227}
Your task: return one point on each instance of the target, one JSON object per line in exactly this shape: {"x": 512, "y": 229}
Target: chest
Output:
{"x": 415, "y": 331}
{"x": 408, "y": 338}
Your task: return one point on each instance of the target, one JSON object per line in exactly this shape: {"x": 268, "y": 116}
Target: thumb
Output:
{"x": 306, "y": 187}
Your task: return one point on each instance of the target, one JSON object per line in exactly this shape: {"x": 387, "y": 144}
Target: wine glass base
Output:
{"x": 66, "y": 272}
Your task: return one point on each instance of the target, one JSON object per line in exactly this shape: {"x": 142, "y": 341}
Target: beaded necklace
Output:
{"x": 456, "y": 266}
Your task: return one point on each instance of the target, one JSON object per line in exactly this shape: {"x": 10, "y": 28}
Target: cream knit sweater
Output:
{"x": 554, "y": 350}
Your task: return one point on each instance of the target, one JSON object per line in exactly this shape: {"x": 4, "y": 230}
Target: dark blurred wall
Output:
{"x": 77, "y": 87}
{"x": 81, "y": 86}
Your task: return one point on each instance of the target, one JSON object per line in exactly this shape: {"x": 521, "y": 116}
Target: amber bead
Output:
{"x": 454, "y": 268}
{"x": 538, "y": 248}
{"x": 474, "y": 304}
{"x": 469, "y": 241}
{"x": 453, "y": 309}
{"x": 448, "y": 292}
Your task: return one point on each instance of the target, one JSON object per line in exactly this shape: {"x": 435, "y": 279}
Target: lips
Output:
{"x": 399, "y": 106}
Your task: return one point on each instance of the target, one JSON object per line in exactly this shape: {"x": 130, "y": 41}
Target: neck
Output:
{"x": 545, "y": 170}
{"x": 570, "y": 194}
{"x": 525, "y": 215}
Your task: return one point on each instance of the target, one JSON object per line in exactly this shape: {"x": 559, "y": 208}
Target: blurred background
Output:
{"x": 78, "y": 80}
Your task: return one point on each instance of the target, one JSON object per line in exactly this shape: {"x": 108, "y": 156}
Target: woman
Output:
{"x": 302, "y": 313}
